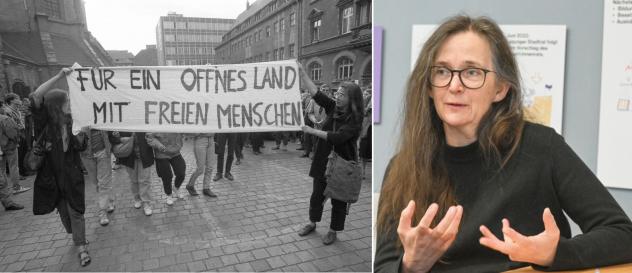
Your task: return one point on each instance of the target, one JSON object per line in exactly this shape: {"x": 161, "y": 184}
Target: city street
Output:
{"x": 251, "y": 226}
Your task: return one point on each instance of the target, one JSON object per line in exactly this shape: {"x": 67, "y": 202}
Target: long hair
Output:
{"x": 354, "y": 112}
{"x": 54, "y": 101}
{"x": 418, "y": 171}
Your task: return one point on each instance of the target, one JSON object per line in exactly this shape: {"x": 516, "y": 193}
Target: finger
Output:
{"x": 453, "y": 229}
{"x": 430, "y": 214}
{"x": 491, "y": 241}
{"x": 445, "y": 222}
{"x": 405, "y": 218}
{"x": 487, "y": 233}
{"x": 549, "y": 221}
{"x": 511, "y": 233}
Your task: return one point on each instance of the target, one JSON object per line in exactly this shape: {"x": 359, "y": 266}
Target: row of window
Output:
{"x": 195, "y": 25}
{"x": 189, "y": 50}
{"x": 269, "y": 9}
{"x": 189, "y": 62}
{"x": 278, "y": 27}
{"x": 344, "y": 69}
{"x": 193, "y": 38}
{"x": 346, "y": 21}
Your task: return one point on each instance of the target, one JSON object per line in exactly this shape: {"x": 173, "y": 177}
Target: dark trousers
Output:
{"x": 281, "y": 136}
{"x": 22, "y": 150}
{"x": 72, "y": 221}
{"x": 163, "y": 169}
{"x": 240, "y": 139}
{"x": 220, "y": 145}
{"x": 257, "y": 142}
{"x": 307, "y": 142}
{"x": 317, "y": 203}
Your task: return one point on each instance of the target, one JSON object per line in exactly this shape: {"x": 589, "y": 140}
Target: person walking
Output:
{"x": 138, "y": 167}
{"x": 59, "y": 182}
{"x": 169, "y": 161}
{"x": 222, "y": 140}
{"x": 203, "y": 151}
{"x": 96, "y": 159}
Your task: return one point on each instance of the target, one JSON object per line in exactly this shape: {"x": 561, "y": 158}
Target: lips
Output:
{"x": 456, "y": 104}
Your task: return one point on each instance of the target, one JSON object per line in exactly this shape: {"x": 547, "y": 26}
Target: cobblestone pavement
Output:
{"x": 251, "y": 226}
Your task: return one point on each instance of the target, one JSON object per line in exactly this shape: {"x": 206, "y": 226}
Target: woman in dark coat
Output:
{"x": 340, "y": 132}
{"x": 59, "y": 182}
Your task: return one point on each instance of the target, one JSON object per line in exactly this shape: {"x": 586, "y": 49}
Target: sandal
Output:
{"x": 84, "y": 257}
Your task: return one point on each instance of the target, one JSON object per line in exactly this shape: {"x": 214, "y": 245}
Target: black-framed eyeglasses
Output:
{"x": 471, "y": 78}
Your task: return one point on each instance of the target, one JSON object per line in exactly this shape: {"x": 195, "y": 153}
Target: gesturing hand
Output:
{"x": 539, "y": 249}
{"x": 423, "y": 245}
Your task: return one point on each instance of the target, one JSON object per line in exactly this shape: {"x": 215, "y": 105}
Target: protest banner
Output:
{"x": 255, "y": 97}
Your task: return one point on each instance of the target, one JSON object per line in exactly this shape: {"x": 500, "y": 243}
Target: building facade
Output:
{"x": 147, "y": 56}
{"x": 189, "y": 40}
{"x": 336, "y": 41}
{"x": 39, "y": 37}
{"x": 266, "y": 31}
{"x": 121, "y": 57}
{"x": 331, "y": 38}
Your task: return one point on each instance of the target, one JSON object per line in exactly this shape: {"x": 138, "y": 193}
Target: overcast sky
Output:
{"x": 131, "y": 24}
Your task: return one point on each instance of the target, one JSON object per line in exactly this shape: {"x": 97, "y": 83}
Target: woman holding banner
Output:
{"x": 340, "y": 133}
{"x": 59, "y": 182}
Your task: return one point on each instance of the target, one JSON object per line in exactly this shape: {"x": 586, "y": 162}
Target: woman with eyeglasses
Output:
{"x": 339, "y": 132}
{"x": 476, "y": 188}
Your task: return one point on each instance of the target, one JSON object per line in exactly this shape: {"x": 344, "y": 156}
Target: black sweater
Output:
{"x": 341, "y": 136}
{"x": 544, "y": 172}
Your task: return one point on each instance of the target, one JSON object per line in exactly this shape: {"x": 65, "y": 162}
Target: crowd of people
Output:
{"x": 335, "y": 119}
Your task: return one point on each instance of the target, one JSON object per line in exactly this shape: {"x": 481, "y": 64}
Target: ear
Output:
{"x": 501, "y": 91}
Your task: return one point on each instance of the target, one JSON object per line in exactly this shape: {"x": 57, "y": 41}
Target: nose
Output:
{"x": 456, "y": 86}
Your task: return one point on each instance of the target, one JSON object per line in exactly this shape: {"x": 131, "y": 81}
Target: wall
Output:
{"x": 584, "y": 21}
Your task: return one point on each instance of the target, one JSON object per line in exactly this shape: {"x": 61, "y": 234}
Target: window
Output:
{"x": 170, "y": 50}
{"x": 315, "y": 70}
{"x": 268, "y": 31}
{"x": 274, "y": 55}
{"x": 290, "y": 50}
{"x": 276, "y": 27}
{"x": 347, "y": 19}
{"x": 267, "y": 56}
{"x": 345, "y": 68}
{"x": 52, "y": 8}
{"x": 282, "y": 22}
{"x": 168, "y": 25}
{"x": 281, "y": 53}
{"x": 181, "y": 25}
{"x": 292, "y": 19}
{"x": 315, "y": 30}
{"x": 365, "y": 13}
{"x": 170, "y": 37}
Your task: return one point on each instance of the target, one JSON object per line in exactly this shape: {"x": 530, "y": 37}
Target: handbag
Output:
{"x": 344, "y": 178}
{"x": 123, "y": 149}
{"x": 33, "y": 158}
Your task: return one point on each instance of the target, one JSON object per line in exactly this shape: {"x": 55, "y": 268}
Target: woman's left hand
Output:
{"x": 538, "y": 249}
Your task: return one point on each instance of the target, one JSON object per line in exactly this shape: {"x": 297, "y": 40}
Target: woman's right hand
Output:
{"x": 423, "y": 245}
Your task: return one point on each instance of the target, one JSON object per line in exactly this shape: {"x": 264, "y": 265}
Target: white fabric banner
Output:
{"x": 254, "y": 97}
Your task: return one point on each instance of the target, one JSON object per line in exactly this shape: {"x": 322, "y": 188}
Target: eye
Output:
{"x": 473, "y": 72}
{"x": 442, "y": 71}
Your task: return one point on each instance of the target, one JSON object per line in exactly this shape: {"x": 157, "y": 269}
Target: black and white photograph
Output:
{"x": 186, "y": 136}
